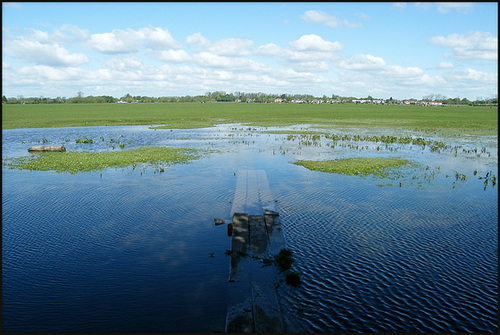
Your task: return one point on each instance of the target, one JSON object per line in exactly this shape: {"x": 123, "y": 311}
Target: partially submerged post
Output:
{"x": 41, "y": 148}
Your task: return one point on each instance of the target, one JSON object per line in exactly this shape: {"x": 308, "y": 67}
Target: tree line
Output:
{"x": 222, "y": 96}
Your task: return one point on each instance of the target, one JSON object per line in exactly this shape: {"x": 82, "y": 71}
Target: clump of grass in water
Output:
{"x": 356, "y": 166}
{"x": 284, "y": 259}
{"x": 74, "y": 162}
{"x": 84, "y": 140}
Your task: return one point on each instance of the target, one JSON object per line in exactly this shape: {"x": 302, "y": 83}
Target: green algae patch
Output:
{"x": 382, "y": 167}
{"x": 85, "y": 161}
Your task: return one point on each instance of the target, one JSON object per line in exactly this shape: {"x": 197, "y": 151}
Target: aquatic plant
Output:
{"x": 84, "y": 140}
{"x": 489, "y": 178}
{"x": 460, "y": 176}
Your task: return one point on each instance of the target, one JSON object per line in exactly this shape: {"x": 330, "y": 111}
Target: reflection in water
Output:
{"x": 130, "y": 251}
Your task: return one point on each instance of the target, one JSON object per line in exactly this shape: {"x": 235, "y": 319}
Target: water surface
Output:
{"x": 130, "y": 250}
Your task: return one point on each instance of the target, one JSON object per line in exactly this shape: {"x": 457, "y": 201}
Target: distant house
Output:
{"x": 435, "y": 103}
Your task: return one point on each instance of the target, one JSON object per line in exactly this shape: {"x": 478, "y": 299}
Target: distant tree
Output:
{"x": 4, "y": 100}
{"x": 465, "y": 101}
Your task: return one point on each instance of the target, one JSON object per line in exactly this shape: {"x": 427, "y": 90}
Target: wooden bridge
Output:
{"x": 256, "y": 239}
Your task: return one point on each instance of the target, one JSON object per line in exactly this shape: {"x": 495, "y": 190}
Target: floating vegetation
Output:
{"x": 74, "y": 162}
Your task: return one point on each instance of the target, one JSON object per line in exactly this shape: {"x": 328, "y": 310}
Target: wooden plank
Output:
{"x": 252, "y": 193}
{"x": 274, "y": 232}
{"x": 258, "y": 236}
{"x": 266, "y": 312}
{"x": 265, "y": 196}
{"x": 240, "y": 194}
{"x": 252, "y": 302}
{"x": 239, "y": 243}
{"x": 240, "y": 317}
{"x": 252, "y": 204}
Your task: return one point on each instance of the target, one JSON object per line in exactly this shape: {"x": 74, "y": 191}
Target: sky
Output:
{"x": 383, "y": 50}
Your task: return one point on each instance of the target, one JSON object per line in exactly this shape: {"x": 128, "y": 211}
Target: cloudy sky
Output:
{"x": 399, "y": 50}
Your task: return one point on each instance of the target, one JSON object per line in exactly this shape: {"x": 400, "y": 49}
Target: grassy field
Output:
{"x": 195, "y": 115}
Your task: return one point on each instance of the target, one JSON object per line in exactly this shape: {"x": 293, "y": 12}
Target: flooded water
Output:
{"x": 130, "y": 251}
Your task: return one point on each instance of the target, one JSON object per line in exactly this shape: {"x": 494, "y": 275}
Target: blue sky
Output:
{"x": 399, "y": 50}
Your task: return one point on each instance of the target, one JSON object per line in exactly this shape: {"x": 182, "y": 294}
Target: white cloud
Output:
{"x": 198, "y": 40}
{"x": 445, "y": 7}
{"x": 441, "y": 7}
{"x": 292, "y": 75}
{"x": 40, "y": 53}
{"x": 470, "y": 75}
{"x": 306, "y": 48}
{"x": 173, "y": 56}
{"x": 473, "y": 45}
{"x": 231, "y": 47}
{"x": 43, "y": 74}
{"x": 114, "y": 42}
{"x": 310, "y": 53}
{"x": 400, "y": 4}
{"x": 157, "y": 38}
{"x": 211, "y": 60}
{"x": 316, "y": 16}
{"x": 362, "y": 62}
{"x": 445, "y": 65}
{"x": 315, "y": 43}
{"x": 124, "y": 64}
{"x": 320, "y": 66}
{"x": 130, "y": 41}
{"x": 225, "y": 47}
{"x": 75, "y": 32}
{"x": 330, "y": 21}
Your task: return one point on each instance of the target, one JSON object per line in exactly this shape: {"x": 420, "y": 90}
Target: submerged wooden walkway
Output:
{"x": 257, "y": 238}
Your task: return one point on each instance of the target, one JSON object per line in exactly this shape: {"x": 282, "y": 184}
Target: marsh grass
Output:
{"x": 382, "y": 167}
{"x": 74, "y": 162}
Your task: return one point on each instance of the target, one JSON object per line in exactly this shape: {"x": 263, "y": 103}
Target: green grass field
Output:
{"x": 194, "y": 115}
